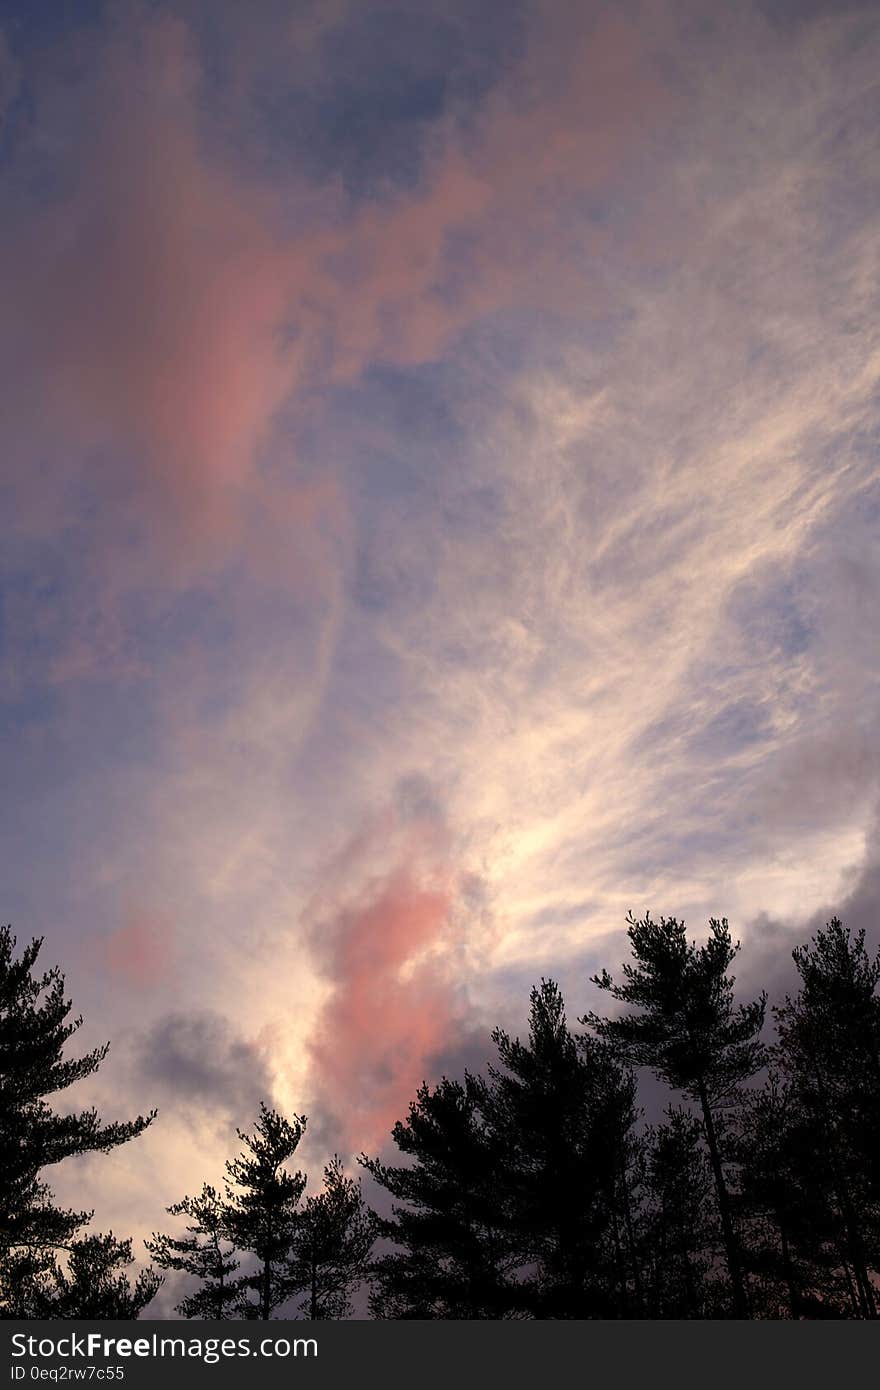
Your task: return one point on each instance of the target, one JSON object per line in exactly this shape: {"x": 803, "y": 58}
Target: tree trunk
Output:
{"x": 788, "y": 1268}
{"x": 731, "y": 1246}
{"x": 690, "y": 1291}
{"x": 854, "y": 1242}
{"x": 620, "y": 1275}
{"x": 853, "y": 1301}
{"x": 265, "y": 1308}
{"x": 631, "y": 1242}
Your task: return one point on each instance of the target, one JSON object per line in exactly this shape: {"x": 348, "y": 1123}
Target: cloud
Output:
{"x": 664, "y": 615}
{"x": 140, "y": 952}
{"x": 176, "y": 325}
{"x": 196, "y": 1062}
{"x": 766, "y": 960}
{"x": 382, "y": 929}
{"x": 547, "y": 470}
{"x": 484, "y": 223}
{"x": 153, "y": 299}
{"x": 170, "y": 307}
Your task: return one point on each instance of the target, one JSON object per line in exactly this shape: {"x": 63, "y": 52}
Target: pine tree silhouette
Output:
{"x": 679, "y": 1225}
{"x": 515, "y": 1202}
{"x": 829, "y": 1053}
{"x": 91, "y": 1284}
{"x": 205, "y": 1253}
{"x": 35, "y": 1027}
{"x": 791, "y": 1240}
{"x": 691, "y": 1034}
{"x": 529, "y": 1191}
{"x": 563, "y": 1109}
{"x": 262, "y": 1217}
{"x": 336, "y": 1232}
{"x": 452, "y": 1255}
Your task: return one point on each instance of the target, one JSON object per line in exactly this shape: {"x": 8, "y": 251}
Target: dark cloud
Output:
{"x": 416, "y": 799}
{"x": 198, "y": 1061}
{"x": 861, "y": 909}
{"x": 766, "y": 961}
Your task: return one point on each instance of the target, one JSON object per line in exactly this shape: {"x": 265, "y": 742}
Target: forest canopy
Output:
{"x": 535, "y": 1189}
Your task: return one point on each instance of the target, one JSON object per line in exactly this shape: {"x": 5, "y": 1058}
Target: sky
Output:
{"x": 440, "y": 505}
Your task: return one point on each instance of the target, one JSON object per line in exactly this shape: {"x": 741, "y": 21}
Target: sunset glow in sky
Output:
{"x": 440, "y": 500}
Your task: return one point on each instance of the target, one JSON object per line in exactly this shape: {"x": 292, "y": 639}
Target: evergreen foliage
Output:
{"x": 335, "y": 1237}
{"x": 679, "y": 1229}
{"x": 90, "y": 1283}
{"x": 563, "y": 1109}
{"x": 829, "y": 1053}
{"x": 691, "y": 1034}
{"x": 513, "y": 1201}
{"x": 35, "y": 1027}
{"x": 205, "y": 1253}
{"x": 261, "y": 1215}
{"x": 533, "y": 1190}
{"x": 452, "y": 1256}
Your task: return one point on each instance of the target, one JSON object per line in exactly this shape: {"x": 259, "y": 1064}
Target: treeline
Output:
{"x": 534, "y": 1190}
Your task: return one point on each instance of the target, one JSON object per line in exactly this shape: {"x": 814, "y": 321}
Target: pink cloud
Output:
{"x": 139, "y": 952}
{"x": 152, "y": 299}
{"x": 170, "y": 307}
{"x": 388, "y": 1014}
{"x": 166, "y": 312}
{"x": 487, "y": 226}
{"x": 384, "y": 929}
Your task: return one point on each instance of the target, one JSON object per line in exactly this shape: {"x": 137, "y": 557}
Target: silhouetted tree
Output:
{"x": 89, "y": 1283}
{"x": 829, "y": 1054}
{"x": 679, "y": 1229}
{"x": 563, "y": 1109}
{"x": 526, "y": 1192}
{"x": 451, "y": 1256}
{"x": 262, "y": 1216}
{"x": 616, "y": 1114}
{"x": 335, "y": 1235}
{"x": 790, "y": 1247}
{"x": 691, "y": 1034}
{"x": 205, "y": 1253}
{"x": 35, "y": 1026}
